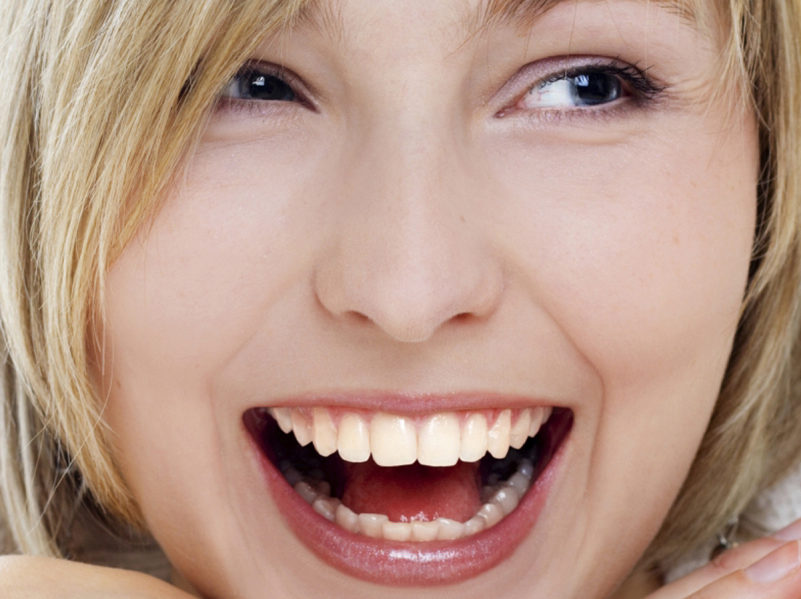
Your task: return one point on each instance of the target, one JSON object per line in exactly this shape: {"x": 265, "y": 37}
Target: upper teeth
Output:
{"x": 439, "y": 439}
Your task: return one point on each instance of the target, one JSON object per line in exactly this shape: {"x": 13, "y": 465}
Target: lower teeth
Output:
{"x": 499, "y": 499}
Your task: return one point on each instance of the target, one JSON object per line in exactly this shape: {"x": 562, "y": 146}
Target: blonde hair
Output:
{"x": 103, "y": 99}
{"x": 753, "y": 436}
{"x": 100, "y": 103}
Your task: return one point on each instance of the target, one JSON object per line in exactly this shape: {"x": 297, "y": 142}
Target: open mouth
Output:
{"x": 409, "y": 499}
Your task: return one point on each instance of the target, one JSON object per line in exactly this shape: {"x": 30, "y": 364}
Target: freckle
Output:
{"x": 675, "y": 239}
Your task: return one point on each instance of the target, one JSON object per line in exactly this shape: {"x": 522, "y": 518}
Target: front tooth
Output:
{"x": 449, "y": 529}
{"x": 518, "y": 434}
{"x": 301, "y": 427}
{"x": 498, "y": 435}
{"x": 438, "y": 441}
{"x": 425, "y": 531}
{"x": 347, "y": 518}
{"x": 325, "y": 432}
{"x": 397, "y": 531}
{"x": 372, "y": 524}
{"x": 353, "y": 439}
{"x": 474, "y": 438}
{"x": 393, "y": 440}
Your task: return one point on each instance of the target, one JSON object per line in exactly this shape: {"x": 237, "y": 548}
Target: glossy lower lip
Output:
{"x": 413, "y": 563}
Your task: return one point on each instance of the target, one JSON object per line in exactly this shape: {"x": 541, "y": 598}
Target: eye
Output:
{"x": 254, "y": 82}
{"x": 575, "y": 90}
{"x": 588, "y": 86}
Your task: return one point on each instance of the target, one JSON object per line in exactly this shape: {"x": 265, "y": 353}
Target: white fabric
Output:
{"x": 771, "y": 510}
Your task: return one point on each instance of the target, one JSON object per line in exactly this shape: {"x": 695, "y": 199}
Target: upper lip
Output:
{"x": 411, "y": 404}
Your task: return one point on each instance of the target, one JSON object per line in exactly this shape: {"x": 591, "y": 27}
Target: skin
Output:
{"x": 418, "y": 225}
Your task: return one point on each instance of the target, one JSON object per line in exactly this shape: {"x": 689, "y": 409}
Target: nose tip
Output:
{"x": 408, "y": 281}
{"x": 408, "y": 299}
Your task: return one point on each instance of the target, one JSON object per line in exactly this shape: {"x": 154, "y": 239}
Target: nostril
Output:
{"x": 405, "y": 330}
{"x": 407, "y": 284}
{"x": 357, "y": 317}
{"x": 402, "y": 319}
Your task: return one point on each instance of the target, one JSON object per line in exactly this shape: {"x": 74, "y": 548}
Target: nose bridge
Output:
{"x": 406, "y": 254}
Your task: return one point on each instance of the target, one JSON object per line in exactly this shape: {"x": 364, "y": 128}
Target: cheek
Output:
{"x": 640, "y": 251}
{"x": 181, "y": 300}
{"x": 193, "y": 285}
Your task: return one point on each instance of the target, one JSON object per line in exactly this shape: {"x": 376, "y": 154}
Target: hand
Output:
{"x": 29, "y": 577}
{"x": 764, "y": 568}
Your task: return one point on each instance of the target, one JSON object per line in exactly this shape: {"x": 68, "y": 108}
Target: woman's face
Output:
{"x": 412, "y": 234}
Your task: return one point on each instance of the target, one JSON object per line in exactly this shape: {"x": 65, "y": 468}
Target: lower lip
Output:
{"x": 409, "y": 563}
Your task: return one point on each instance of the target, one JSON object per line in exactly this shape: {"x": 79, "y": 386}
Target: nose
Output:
{"x": 408, "y": 254}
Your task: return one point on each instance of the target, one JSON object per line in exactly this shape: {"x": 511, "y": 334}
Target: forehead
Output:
{"x": 523, "y": 12}
{"x": 326, "y": 15}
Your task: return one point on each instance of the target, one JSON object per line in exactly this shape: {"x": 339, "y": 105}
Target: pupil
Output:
{"x": 596, "y": 88}
{"x": 259, "y": 86}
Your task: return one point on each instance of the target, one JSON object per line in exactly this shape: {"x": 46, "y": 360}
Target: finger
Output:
{"x": 775, "y": 576}
{"x": 724, "y": 564}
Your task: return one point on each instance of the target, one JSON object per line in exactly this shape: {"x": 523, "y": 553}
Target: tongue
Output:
{"x": 413, "y": 493}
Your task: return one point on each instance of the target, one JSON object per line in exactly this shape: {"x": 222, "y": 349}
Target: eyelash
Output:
{"x": 263, "y": 107}
{"x": 638, "y": 90}
{"x": 643, "y": 86}
{"x": 642, "y": 89}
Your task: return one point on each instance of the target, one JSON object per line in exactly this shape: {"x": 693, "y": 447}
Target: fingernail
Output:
{"x": 777, "y": 564}
{"x": 791, "y": 532}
